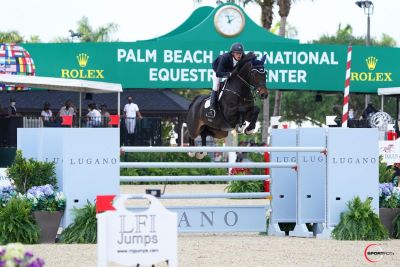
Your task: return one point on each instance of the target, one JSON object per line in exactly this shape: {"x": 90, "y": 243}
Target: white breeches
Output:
{"x": 216, "y": 81}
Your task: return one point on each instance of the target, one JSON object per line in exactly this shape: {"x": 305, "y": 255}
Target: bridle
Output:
{"x": 248, "y": 85}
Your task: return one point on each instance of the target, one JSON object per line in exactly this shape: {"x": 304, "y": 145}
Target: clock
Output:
{"x": 229, "y": 21}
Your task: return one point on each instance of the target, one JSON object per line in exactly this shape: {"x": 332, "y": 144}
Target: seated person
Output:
{"x": 94, "y": 116}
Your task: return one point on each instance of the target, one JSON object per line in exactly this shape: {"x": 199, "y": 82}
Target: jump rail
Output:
{"x": 221, "y": 149}
{"x": 200, "y": 178}
{"x": 210, "y": 195}
{"x": 191, "y": 165}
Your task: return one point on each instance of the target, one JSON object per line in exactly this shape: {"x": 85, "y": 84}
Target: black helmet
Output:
{"x": 237, "y": 47}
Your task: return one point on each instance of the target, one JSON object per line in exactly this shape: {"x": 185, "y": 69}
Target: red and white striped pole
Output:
{"x": 345, "y": 115}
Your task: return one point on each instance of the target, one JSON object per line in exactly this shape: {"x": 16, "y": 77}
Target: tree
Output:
{"x": 11, "y": 37}
{"x": 15, "y": 37}
{"x": 86, "y": 33}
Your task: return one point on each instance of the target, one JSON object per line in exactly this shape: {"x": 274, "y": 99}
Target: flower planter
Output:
{"x": 387, "y": 216}
{"x": 48, "y": 223}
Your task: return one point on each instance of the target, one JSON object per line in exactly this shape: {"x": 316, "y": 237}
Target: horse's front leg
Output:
{"x": 241, "y": 123}
{"x": 253, "y": 119}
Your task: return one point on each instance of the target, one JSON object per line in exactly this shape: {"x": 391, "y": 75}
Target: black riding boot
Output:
{"x": 213, "y": 100}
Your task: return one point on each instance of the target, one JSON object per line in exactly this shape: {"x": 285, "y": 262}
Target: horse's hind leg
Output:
{"x": 191, "y": 143}
{"x": 253, "y": 119}
{"x": 203, "y": 134}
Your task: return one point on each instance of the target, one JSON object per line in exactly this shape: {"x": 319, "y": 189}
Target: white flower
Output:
{"x": 14, "y": 250}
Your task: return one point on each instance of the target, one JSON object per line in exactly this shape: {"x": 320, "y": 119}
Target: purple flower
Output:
{"x": 2, "y": 263}
{"x": 36, "y": 263}
{"x": 28, "y": 255}
{"x": 17, "y": 261}
{"x": 2, "y": 252}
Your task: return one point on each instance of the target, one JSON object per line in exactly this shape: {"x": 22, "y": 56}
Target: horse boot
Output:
{"x": 213, "y": 100}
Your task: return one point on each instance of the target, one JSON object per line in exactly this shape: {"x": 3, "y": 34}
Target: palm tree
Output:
{"x": 11, "y": 37}
{"x": 284, "y": 9}
{"x": 86, "y": 33}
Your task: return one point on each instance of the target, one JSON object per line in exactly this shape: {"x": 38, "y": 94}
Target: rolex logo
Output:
{"x": 82, "y": 59}
{"x": 371, "y": 62}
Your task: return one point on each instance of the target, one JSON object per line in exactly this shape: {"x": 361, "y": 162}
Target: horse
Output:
{"x": 235, "y": 104}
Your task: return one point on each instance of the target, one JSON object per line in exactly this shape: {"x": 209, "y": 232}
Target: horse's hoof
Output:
{"x": 201, "y": 155}
{"x": 249, "y": 132}
{"x": 240, "y": 129}
{"x": 191, "y": 154}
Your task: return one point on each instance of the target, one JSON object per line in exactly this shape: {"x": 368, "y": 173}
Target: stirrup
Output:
{"x": 211, "y": 113}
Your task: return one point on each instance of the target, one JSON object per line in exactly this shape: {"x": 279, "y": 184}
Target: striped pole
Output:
{"x": 345, "y": 115}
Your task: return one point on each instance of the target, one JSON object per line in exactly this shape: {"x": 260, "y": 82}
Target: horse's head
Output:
{"x": 252, "y": 70}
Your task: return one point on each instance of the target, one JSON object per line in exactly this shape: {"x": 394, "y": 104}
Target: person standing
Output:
{"x": 131, "y": 111}
{"x": 12, "y": 108}
{"x": 105, "y": 115}
{"x": 47, "y": 114}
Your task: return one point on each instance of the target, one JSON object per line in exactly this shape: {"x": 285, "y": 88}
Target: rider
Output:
{"x": 223, "y": 66}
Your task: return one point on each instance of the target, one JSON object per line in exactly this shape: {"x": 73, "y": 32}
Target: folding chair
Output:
{"x": 67, "y": 120}
{"x": 114, "y": 120}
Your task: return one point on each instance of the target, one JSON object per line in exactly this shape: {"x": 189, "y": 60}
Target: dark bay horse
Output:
{"x": 235, "y": 105}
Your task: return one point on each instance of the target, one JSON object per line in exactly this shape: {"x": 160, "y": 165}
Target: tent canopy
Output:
{"x": 61, "y": 84}
{"x": 389, "y": 91}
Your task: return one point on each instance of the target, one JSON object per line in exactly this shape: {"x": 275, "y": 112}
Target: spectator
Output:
{"x": 94, "y": 116}
{"x": 369, "y": 111}
{"x": 105, "y": 115}
{"x": 47, "y": 115}
{"x": 12, "y": 108}
{"x": 67, "y": 109}
{"x": 131, "y": 111}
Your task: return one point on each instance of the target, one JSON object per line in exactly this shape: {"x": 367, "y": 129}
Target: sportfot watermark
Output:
{"x": 376, "y": 252}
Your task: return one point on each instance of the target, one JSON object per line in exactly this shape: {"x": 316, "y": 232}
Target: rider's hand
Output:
{"x": 233, "y": 73}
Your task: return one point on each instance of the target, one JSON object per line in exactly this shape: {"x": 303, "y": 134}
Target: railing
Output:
{"x": 147, "y": 132}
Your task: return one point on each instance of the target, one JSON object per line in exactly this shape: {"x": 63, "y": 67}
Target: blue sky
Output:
{"x": 140, "y": 20}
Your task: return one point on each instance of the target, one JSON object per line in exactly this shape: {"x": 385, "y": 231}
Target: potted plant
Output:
{"x": 359, "y": 222}
{"x": 26, "y": 173}
{"x": 48, "y": 208}
{"x": 389, "y": 205}
{"x": 16, "y": 222}
{"x": 15, "y": 255}
{"x": 84, "y": 228}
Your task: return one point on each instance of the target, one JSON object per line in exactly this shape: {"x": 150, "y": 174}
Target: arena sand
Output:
{"x": 236, "y": 249}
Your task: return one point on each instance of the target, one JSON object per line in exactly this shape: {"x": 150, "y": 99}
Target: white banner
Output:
{"x": 390, "y": 151}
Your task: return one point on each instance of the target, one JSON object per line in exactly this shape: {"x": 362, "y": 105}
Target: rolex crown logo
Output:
{"x": 371, "y": 62}
{"x": 82, "y": 59}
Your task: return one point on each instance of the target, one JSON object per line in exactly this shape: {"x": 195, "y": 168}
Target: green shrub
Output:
{"x": 396, "y": 224}
{"x": 84, "y": 228}
{"x": 245, "y": 186}
{"x": 167, "y": 157}
{"x": 360, "y": 222}
{"x": 385, "y": 173}
{"x": 17, "y": 223}
{"x": 28, "y": 173}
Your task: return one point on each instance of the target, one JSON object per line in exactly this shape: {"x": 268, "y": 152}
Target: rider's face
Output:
{"x": 237, "y": 55}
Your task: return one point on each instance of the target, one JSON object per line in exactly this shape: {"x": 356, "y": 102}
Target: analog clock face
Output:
{"x": 229, "y": 21}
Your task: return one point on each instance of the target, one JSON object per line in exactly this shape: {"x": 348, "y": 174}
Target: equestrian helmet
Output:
{"x": 237, "y": 47}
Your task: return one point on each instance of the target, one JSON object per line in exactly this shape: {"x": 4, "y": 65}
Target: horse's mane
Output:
{"x": 245, "y": 61}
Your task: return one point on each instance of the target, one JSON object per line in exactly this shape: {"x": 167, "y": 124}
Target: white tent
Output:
{"x": 61, "y": 84}
{"x": 390, "y": 91}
